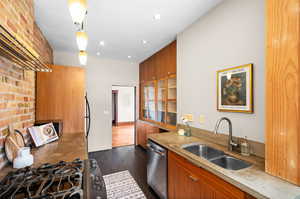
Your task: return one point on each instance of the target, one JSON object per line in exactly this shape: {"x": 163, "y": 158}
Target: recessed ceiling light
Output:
{"x": 98, "y": 53}
{"x": 129, "y": 57}
{"x": 144, "y": 42}
{"x": 157, "y": 17}
{"x": 102, "y": 43}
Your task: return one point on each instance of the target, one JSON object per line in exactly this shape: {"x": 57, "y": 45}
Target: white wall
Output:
{"x": 232, "y": 34}
{"x": 101, "y": 75}
{"x": 125, "y": 103}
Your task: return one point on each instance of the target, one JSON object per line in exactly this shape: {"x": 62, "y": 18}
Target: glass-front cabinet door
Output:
{"x": 151, "y": 100}
{"x": 148, "y": 101}
{"x": 172, "y": 101}
{"x": 144, "y": 101}
{"x": 161, "y": 101}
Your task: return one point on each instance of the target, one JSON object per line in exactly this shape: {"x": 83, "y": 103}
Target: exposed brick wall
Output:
{"x": 41, "y": 45}
{"x": 17, "y": 16}
{"x": 17, "y": 86}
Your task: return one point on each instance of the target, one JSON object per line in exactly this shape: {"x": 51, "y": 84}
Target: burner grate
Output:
{"x": 50, "y": 181}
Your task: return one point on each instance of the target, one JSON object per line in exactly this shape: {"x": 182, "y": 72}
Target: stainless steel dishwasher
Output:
{"x": 157, "y": 169}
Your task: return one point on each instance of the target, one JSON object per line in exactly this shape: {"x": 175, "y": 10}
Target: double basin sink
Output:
{"x": 216, "y": 156}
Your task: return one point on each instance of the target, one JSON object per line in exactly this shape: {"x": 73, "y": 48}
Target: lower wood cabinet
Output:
{"x": 187, "y": 181}
{"x": 142, "y": 130}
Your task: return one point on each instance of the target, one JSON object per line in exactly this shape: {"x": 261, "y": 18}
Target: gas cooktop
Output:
{"x": 63, "y": 180}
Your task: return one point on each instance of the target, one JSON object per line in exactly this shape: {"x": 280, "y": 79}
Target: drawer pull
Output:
{"x": 193, "y": 178}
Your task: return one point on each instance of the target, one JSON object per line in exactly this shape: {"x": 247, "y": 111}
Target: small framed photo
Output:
{"x": 235, "y": 89}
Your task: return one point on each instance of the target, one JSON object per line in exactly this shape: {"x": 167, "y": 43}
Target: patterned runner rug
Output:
{"x": 121, "y": 185}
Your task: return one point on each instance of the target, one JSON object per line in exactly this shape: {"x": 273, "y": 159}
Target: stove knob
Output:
{"x": 93, "y": 177}
{"x": 97, "y": 182}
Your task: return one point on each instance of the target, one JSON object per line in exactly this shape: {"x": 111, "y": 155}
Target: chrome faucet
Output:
{"x": 231, "y": 143}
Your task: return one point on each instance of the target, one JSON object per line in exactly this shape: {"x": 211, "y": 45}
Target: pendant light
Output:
{"x": 82, "y": 40}
{"x": 82, "y": 57}
{"x": 78, "y": 9}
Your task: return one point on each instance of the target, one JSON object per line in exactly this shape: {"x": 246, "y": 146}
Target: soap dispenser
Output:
{"x": 245, "y": 147}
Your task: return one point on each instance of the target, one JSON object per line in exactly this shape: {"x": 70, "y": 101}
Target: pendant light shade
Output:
{"x": 82, "y": 57}
{"x": 82, "y": 40}
{"x": 78, "y": 10}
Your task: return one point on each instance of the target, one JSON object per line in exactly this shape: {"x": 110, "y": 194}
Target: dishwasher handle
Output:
{"x": 155, "y": 151}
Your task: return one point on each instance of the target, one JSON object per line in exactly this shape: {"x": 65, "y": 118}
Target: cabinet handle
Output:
{"x": 169, "y": 73}
{"x": 193, "y": 178}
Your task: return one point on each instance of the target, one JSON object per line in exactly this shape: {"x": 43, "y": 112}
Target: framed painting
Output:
{"x": 235, "y": 89}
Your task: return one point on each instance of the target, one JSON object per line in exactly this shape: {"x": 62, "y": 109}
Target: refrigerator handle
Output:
{"x": 88, "y": 116}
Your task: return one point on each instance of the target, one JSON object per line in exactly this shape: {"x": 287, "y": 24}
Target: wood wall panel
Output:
{"x": 60, "y": 95}
{"x": 283, "y": 89}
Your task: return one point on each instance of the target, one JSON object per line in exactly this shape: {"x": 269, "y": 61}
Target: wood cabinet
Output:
{"x": 143, "y": 72}
{"x": 158, "y": 88}
{"x": 151, "y": 71}
{"x": 160, "y": 65}
{"x": 171, "y": 59}
{"x": 283, "y": 90}
{"x": 186, "y": 180}
{"x": 142, "y": 131}
{"x": 60, "y": 96}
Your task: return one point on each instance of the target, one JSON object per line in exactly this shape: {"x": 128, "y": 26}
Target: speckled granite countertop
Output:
{"x": 252, "y": 180}
{"x": 69, "y": 147}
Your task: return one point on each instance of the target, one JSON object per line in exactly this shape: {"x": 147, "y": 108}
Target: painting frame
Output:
{"x": 244, "y": 76}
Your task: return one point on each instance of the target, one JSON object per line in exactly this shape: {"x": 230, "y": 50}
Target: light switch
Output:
{"x": 202, "y": 119}
{"x": 189, "y": 117}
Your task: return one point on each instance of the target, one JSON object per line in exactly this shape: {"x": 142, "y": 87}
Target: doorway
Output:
{"x": 123, "y": 115}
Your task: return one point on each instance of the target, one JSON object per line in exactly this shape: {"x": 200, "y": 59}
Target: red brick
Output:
{"x": 17, "y": 87}
{"x": 4, "y": 123}
{"x": 23, "y": 18}
{"x": 11, "y": 26}
{"x": 3, "y": 105}
{"x": 25, "y": 117}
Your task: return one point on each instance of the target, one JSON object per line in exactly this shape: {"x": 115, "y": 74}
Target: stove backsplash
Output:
{"x": 17, "y": 87}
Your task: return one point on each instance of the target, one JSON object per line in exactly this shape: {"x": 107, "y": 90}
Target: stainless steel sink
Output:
{"x": 216, "y": 156}
{"x": 203, "y": 151}
{"x": 231, "y": 163}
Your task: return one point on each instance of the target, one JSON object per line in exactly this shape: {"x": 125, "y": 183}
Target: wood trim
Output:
{"x": 283, "y": 89}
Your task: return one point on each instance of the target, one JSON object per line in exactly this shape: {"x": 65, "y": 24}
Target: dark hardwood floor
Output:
{"x": 131, "y": 158}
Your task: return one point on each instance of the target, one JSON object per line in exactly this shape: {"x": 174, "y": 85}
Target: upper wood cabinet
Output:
{"x": 171, "y": 58}
{"x": 143, "y": 72}
{"x": 160, "y": 65}
{"x": 151, "y": 69}
{"x": 158, "y": 87}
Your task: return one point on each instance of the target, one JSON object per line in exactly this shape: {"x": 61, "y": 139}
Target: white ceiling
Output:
{"x": 122, "y": 24}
